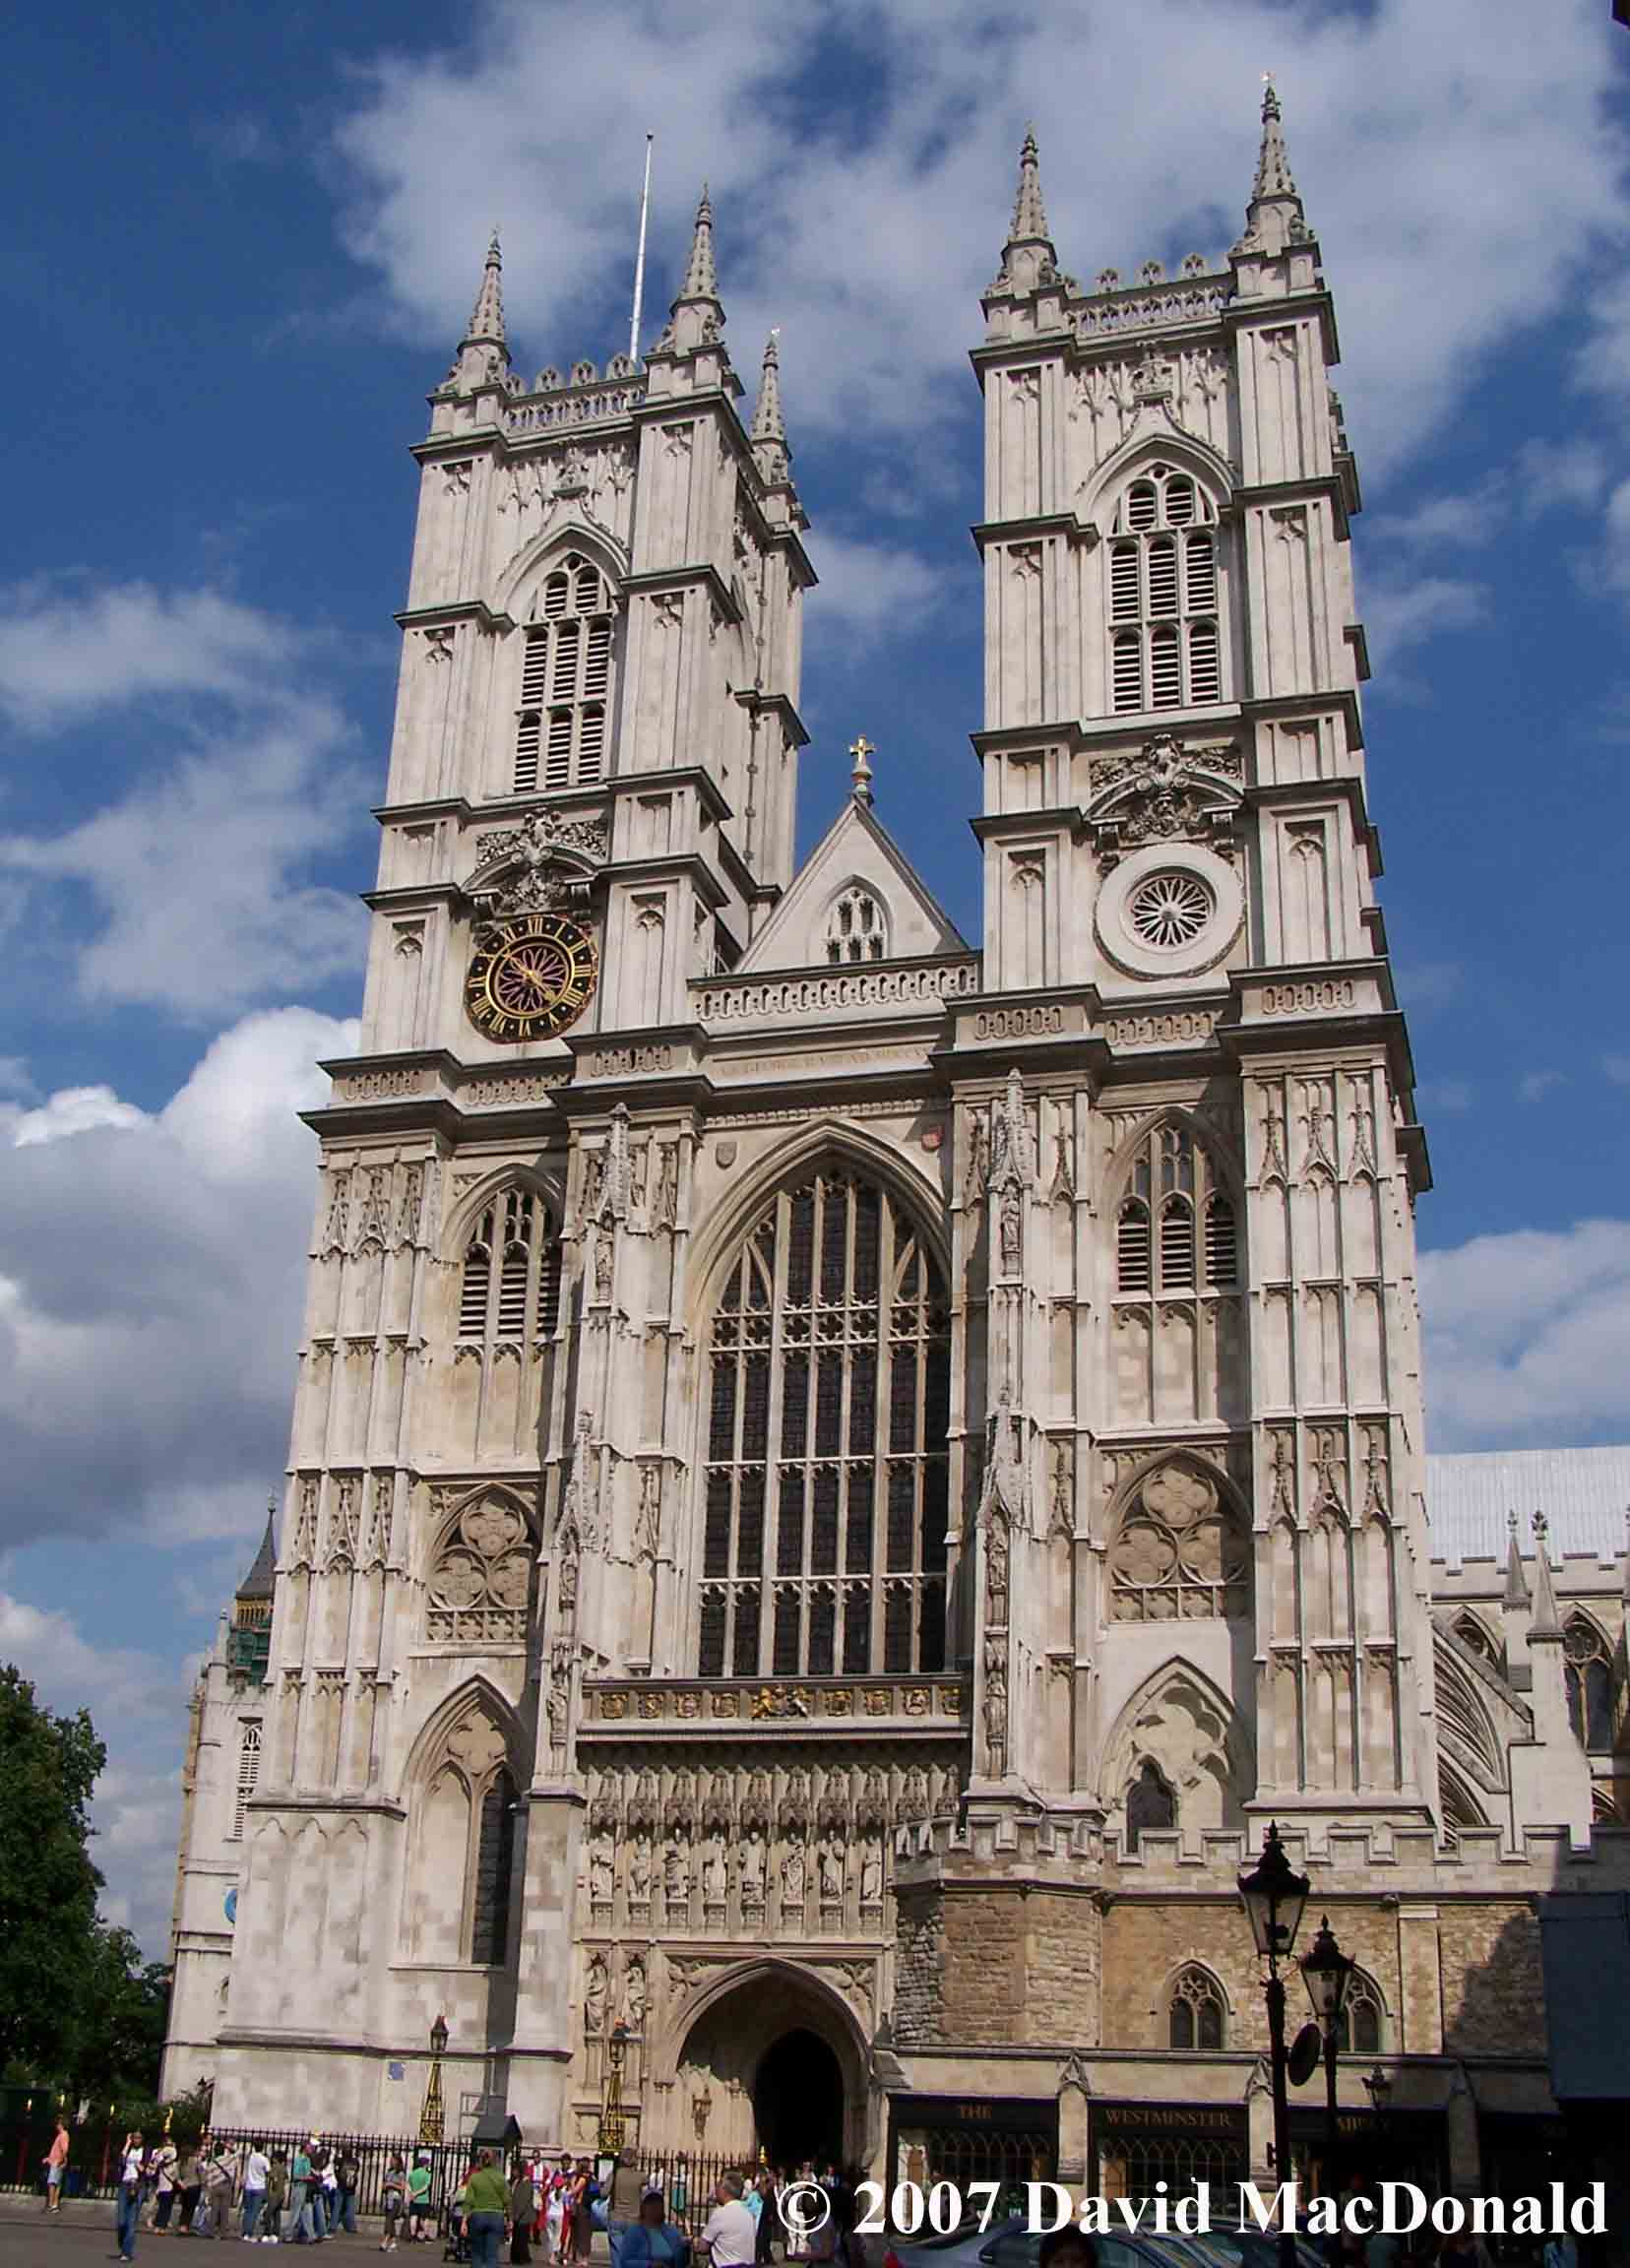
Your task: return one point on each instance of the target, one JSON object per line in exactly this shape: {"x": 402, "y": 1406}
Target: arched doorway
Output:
{"x": 775, "y": 2062}
{"x": 798, "y": 2100}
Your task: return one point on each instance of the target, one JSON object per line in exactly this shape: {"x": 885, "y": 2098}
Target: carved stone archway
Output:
{"x": 731, "y": 2046}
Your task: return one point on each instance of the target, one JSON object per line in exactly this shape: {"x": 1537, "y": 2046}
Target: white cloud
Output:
{"x": 1525, "y": 1336}
{"x": 871, "y": 591}
{"x": 199, "y": 870}
{"x": 1402, "y": 611}
{"x": 151, "y": 1282}
{"x": 1617, "y": 1068}
{"x": 1444, "y": 1094}
{"x": 869, "y": 237}
{"x": 74, "y": 1111}
{"x": 1534, "y": 1086}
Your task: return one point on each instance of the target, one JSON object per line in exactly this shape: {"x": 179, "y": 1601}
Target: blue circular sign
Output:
{"x": 230, "y": 1903}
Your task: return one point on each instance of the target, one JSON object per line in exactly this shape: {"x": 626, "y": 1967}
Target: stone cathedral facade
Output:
{"x": 840, "y": 1473}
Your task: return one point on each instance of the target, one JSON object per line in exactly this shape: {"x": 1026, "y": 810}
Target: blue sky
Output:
{"x": 243, "y": 243}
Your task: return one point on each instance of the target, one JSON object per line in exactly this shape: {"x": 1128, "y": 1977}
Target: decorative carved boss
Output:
{"x": 1165, "y": 794}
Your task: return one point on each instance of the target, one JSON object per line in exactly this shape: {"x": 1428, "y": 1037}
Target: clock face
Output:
{"x": 531, "y": 978}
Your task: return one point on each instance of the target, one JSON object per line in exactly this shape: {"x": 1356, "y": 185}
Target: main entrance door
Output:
{"x": 799, "y": 2101}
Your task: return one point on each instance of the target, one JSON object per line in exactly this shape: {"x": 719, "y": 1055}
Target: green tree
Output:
{"x": 121, "y": 2042}
{"x": 50, "y": 1962}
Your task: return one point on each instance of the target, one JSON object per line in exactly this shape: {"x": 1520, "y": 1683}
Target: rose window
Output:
{"x": 1169, "y": 910}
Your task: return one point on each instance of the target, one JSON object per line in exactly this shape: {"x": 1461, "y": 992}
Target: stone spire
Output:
{"x": 768, "y": 434}
{"x": 1548, "y": 1623}
{"x": 257, "y": 1584}
{"x": 1516, "y": 1582}
{"x": 484, "y": 351}
{"x": 1028, "y": 258}
{"x": 1029, "y": 215}
{"x": 1273, "y": 218}
{"x": 486, "y": 319}
{"x": 701, "y": 275}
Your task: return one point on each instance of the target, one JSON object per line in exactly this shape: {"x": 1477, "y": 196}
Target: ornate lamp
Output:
{"x": 1274, "y": 1894}
{"x": 1327, "y": 1971}
{"x": 432, "y": 2117}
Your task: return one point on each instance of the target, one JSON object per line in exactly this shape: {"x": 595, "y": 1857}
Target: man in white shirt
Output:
{"x": 730, "y": 2235}
{"x": 131, "y": 2159}
{"x": 256, "y": 2167}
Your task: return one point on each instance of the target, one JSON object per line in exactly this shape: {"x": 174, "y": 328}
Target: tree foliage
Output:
{"x": 77, "y": 2004}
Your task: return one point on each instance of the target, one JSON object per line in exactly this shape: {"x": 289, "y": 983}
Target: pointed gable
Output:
{"x": 857, "y": 898}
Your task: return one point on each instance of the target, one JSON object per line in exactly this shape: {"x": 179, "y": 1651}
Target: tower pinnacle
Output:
{"x": 701, "y": 275}
{"x": 769, "y": 433}
{"x": 1029, "y": 215}
{"x": 486, "y": 320}
{"x": 1273, "y": 218}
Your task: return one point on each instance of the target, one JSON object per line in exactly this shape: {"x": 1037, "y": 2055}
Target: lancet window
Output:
{"x": 510, "y": 1288}
{"x": 1175, "y": 1230}
{"x": 857, "y": 928}
{"x": 1361, "y": 2025}
{"x": 248, "y": 1772}
{"x": 1198, "y": 2015}
{"x": 829, "y": 1398}
{"x": 464, "y": 1859}
{"x": 561, "y": 727}
{"x": 1165, "y": 630}
{"x": 1588, "y": 1667}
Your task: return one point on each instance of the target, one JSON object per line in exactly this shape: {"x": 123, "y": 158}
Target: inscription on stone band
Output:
{"x": 1309, "y": 999}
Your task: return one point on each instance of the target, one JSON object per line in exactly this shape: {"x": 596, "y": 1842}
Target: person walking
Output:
{"x": 584, "y": 2192}
{"x": 523, "y": 2209}
{"x": 395, "y": 2201}
{"x": 130, "y": 2194}
{"x": 328, "y": 2174}
{"x": 189, "y": 2183}
{"x": 655, "y": 2241}
{"x": 218, "y": 2193}
{"x": 300, "y": 2229}
{"x": 559, "y": 2185}
{"x": 56, "y": 2167}
{"x": 485, "y": 2211}
{"x": 764, "y": 2235}
{"x": 257, "y": 2172}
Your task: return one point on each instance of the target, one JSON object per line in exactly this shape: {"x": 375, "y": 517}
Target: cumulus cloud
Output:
{"x": 1526, "y": 1334}
{"x": 150, "y": 1280}
{"x": 1459, "y": 177}
{"x": 1404, "y": 611}
{"x": 200, "y": 868}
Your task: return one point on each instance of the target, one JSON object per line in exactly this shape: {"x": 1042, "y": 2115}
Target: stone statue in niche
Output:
{"x": 752, "y": 1869}
{"x": 832, "y": 1873}
{"x": 871, "y": 1873}
{"x": 716, "y": 1876}
{"x": 666, "y": 1209}
{"x": 1011, "y": 1229}
{"x": 602, "y": 1265}
{"x": 557, "y": 1707}
{"x": 649, "y": 1528}
{"x": 638, "y": 1870}
{"x": 633, "y": 1996}
{"x": 595, "y": 1991}
{"x": 600, "y": 1871}
{"x": 996, "y": 1713}
{"x": 996, "y": 1574}
{"x": 677, "y": 1873}
{"x": 570, "y": 1561}
{"x": 793, "y": 1875}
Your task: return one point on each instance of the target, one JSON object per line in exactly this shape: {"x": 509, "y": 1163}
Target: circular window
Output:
{"x": 1169, "y": 911}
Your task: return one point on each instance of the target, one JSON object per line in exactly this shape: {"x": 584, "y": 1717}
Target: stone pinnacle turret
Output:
{"x": 1029, "y": 215}
{"x": 769, "y": 431}
{"x": 484, "y": 351}
{"x": 1273, "y": 218}
{"x": 700, "y": 275}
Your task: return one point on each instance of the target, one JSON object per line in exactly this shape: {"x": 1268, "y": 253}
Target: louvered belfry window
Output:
{"x": 829, "y": 1398}
{"x": 561, "y": 732}
{"x": 1175, "y": 1230}
{"x": 510, "y": 1288}
{"x": 1165, "y": 639}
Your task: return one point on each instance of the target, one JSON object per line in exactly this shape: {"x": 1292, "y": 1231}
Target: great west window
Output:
{"x": 829, "y": 1389}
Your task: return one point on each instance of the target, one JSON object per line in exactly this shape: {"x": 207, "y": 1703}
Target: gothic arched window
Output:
{"x": 463, "y": 1861}
{"x": 494, "y": 1862}
{"x": 1172, "y": 1190}
{"x": 1361, "y": 2029}
{"x": 248, "y": 1772}
{"x": 829, "y": 1399}
{"x": 510, "y": 1288}
{"x": 1150, "y": 1805}
{"x": 1198, "y": 2015}
{"x": 1165, "y": 633}
{"x": 478, "y": 1587}
{"x": 1589, "y": 1668}
{"x": 560, "y": 732}
{"x": 1472, "y": 1631}
{"x": 857, "y": 928}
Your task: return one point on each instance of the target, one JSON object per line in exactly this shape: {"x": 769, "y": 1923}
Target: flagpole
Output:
{"x": 639, "y": 263}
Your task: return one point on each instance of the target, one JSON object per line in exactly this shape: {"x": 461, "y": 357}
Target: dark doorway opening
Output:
{"x": 798, "y": 2100}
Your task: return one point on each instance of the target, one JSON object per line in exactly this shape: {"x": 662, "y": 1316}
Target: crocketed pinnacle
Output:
{"x": 257, "y": 1584}
{"x": 768, "y": 424}
{"x": 486, "y": 321}
{"x": 1516, "y": 1581}
{"x": 1029, "y": 215}
{"x": 1273, "y": 174}
{"x": 701, "y": 275}
{"x": 1548, "y": 1623}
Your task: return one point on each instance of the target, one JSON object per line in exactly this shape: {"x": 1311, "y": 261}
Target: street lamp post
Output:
{"x": 1378, "y": 2087}
{"x": 1274, "y": 1896}
{"x": 612, "y": 2122}
{"x": 432, "y": 2116}
{"x": 1327, "y": 1971}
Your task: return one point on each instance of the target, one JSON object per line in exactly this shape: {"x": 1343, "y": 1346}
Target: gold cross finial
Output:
{"x": 861, "y": 772}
